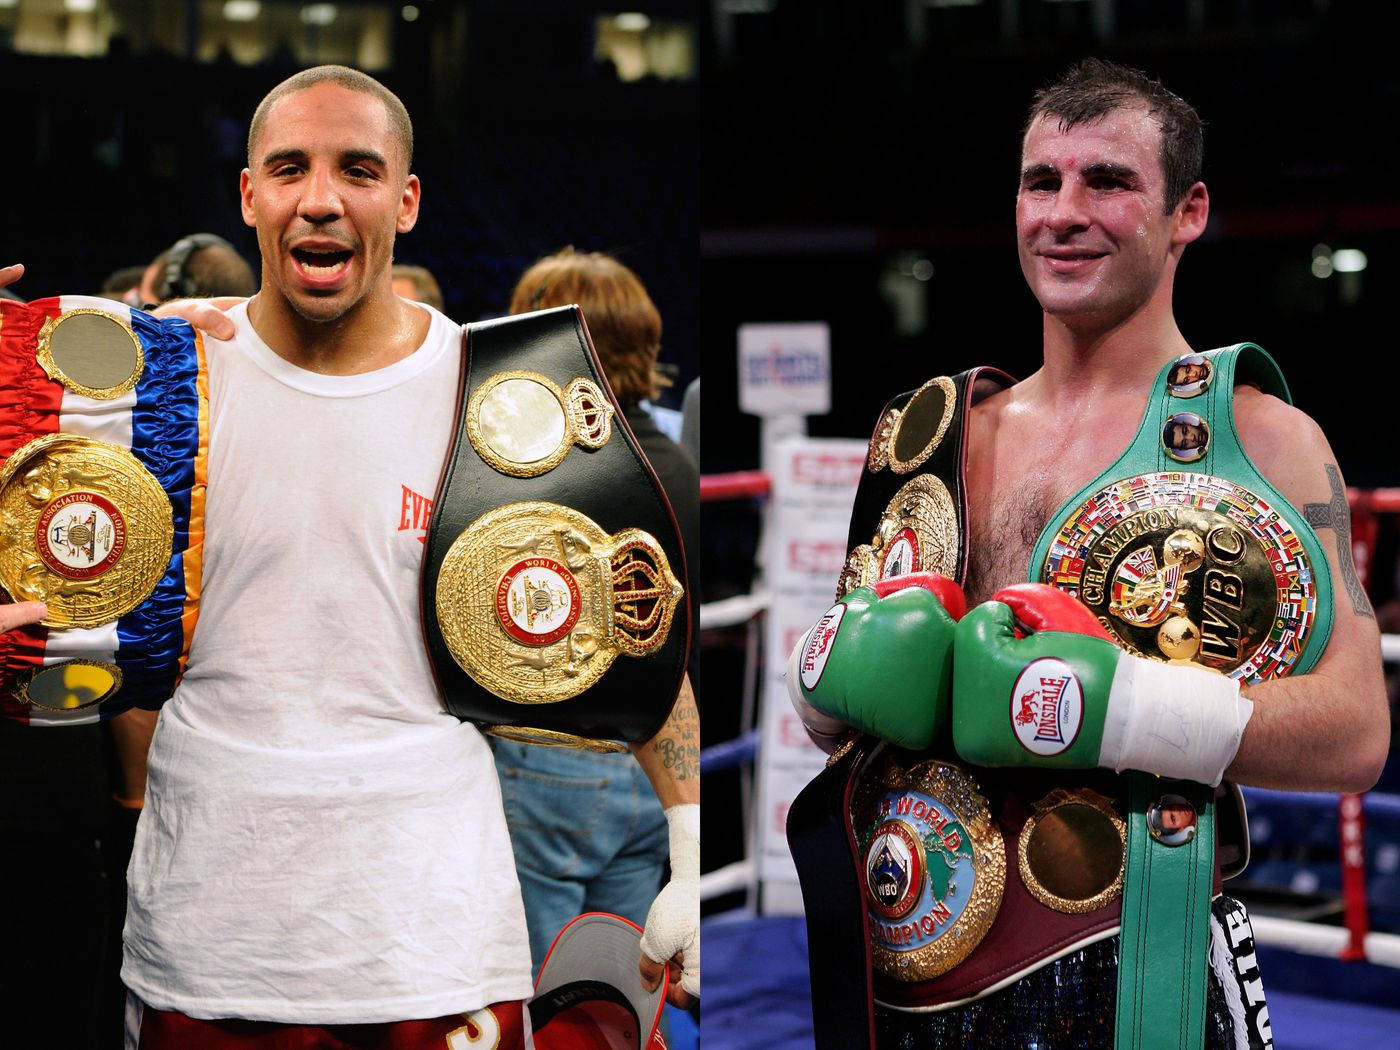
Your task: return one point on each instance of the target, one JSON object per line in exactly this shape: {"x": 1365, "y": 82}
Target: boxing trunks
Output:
{"x": 104, "y": 442}
{"x": 500, "y": 1026}
{"x": 931, "y": 883}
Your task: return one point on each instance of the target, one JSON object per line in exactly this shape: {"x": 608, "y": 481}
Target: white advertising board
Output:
{"x": 785, "y": 369}
{"x": 814, "y": 486}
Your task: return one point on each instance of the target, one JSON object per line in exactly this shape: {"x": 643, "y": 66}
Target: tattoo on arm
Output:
{"x": 678, "y": 743}
{"x": 1336, "y": 515}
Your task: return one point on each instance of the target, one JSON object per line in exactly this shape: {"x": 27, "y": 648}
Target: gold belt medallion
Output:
{"x": 91, "y": 352}
{"x": 1072, "y": 850}
{"x": 917, "y": 533}
{"x": 1190, "y": 567}
{"x": 86, "y": 529}
{"x": 536, "y": 600}
{"x": 523, "y": 425}
{"x": 934, "y": 866}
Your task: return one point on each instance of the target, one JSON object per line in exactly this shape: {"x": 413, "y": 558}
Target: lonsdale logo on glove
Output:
{"x": 1078, "y": 701}
{"x": 817, "y": 647}
{"x": 1047, "y": 707}
{"x": 880, "y": 660}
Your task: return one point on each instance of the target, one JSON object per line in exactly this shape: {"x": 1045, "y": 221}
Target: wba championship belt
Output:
{"x": 1185, "y": 553}
{"x": 104, "y": 441}
{"x": 554, "y": 597}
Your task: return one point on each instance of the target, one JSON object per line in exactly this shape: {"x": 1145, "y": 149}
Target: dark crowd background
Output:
{"x": 861, "y": 168}
{"x": 524, "y": 141}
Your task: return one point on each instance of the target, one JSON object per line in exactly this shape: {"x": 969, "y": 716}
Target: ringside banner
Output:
{"x": 814, "y": 485}
{"x": 785, "y": 369}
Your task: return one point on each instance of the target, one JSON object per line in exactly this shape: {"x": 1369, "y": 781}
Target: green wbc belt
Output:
{"x": 1185, "y": 553}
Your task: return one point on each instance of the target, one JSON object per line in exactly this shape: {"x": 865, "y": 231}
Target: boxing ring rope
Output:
{"x": 1352, "y": 941}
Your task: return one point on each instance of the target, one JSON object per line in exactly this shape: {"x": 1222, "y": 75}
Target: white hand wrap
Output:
{"x": 818, "y": 722}
{"x": 673, "y": 922}
{"x": 1175, "y": 720}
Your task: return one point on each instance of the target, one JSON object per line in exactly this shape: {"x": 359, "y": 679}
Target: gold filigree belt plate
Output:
{"x": 85, "y": 528}
{"x": 536, "y": 600}
{"x": 1190, "y": 567}
{"x": 917, "y": 533}
{"x": 934, "y": 866}
{"x": 905, "y": 438}
{"x": 523, "y": 425}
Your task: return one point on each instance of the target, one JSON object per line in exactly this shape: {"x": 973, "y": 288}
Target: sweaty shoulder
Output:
{"x": 1287, "y": 446}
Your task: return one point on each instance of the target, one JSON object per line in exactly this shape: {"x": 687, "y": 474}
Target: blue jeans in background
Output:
{"x": 588, "y": 835}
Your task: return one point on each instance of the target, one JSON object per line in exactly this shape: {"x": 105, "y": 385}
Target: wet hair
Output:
{"x": 346, "y": 77}
{"x": 624, "y": 322}
{"x": 1091, "y": 89}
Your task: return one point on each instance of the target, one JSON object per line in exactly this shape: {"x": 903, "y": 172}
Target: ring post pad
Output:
{"x": 103, "y": 451}
{"x": 555, "y": 602}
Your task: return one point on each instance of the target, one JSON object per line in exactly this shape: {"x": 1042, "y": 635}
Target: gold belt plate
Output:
{"x": 536, "y": 600}
{"x": 934, "y": 865}
{"x": 86, "y": 528}
{"x": 523, "y": 424}
{"x": 918, "y": 532}
{"x": 1184, "y": 567}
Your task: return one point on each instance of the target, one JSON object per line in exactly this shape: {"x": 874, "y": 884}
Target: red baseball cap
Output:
{"x": 589, "y": 993}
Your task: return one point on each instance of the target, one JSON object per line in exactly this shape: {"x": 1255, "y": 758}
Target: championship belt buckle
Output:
{"x": 552, "y": 551}
{"x": 536, "y": 601}
{"x": 96, "y": 504}
{"x": 934, "y": 865}
{"x": 918, "y": 532}
{"x": 1181, "y": 566}
{"x": 87, "y": 529}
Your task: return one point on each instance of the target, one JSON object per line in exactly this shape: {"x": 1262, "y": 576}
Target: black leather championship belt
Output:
{"x": 104, "y": 439}
{"x": 555, "y": 603}
{"x": 909, "y": 516}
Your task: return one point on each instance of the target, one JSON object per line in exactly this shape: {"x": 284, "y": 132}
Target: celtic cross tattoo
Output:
{"x": 1336, "y": 515}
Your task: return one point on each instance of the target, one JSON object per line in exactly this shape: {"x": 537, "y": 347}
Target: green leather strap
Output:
{"x": 1165, "y": 940}
{"x": 1165, "y": 943}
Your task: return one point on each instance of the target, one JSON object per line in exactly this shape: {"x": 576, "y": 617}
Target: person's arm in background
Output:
{"x": 671, "y": 761}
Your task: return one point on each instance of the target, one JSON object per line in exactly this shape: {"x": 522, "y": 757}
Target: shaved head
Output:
{"x": 351, "y": 79}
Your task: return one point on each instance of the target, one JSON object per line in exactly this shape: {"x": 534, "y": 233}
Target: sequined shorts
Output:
{"x": 1069, "y": 1003}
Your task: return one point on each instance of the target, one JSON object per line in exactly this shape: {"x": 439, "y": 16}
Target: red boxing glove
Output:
{"x": 1040, "y": 607}
{"x": 947, "y": 591}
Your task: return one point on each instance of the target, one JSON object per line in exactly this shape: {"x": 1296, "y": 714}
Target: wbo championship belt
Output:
{"x": 554, "y": 593}
{"x": 103, "y": 437}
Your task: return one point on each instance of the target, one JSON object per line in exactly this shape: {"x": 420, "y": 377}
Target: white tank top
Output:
{"x": 321, "y": 841}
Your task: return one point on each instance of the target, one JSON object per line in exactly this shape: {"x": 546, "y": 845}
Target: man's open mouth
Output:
{"x": 315, "y": 262}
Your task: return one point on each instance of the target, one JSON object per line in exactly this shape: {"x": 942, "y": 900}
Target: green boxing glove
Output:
{"x": 1037, "y": 682}
{"x": 880, "y": 661}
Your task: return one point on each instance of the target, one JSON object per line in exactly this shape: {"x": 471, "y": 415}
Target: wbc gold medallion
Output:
{"x": 536, "y": 600}
{"x": 86, "y": 528}
{"x": 1182, "y": 567}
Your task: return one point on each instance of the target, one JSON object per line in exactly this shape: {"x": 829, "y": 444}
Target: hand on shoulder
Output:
{"x": 208, "y": 315}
